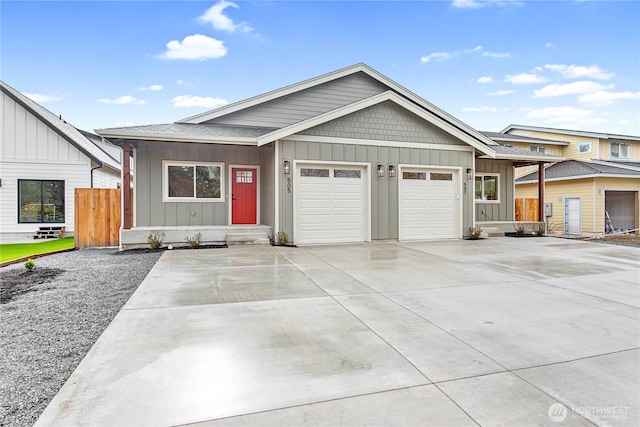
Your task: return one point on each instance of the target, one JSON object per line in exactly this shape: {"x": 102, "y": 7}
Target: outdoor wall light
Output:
{"x": 392, "y": 171}
{"x": 286, "y": 167}
{"x": 380, "y": 170}
{"x": 469, "y": 173}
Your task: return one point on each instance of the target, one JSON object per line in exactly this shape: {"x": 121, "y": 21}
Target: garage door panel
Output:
{"x": 428, "y": 205}
{"x": 331, "y": 208}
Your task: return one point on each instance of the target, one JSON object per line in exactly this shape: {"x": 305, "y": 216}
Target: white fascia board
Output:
{"x": 366, "y": 103}
{"x": 278, "y": 93}
{"x": 530, "y": 141}
{"x": 574, "y": 177}
{"x": 572, "y": 132}
{"x": 181, "y": 138}
{"x": 616, "y": 165}
{"x": 546, "y": 159}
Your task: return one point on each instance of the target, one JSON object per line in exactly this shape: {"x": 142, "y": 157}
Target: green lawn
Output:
{"x": 20, "y": 250}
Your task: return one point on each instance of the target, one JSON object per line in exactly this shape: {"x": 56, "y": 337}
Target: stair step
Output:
{"x": 248, "y": 239}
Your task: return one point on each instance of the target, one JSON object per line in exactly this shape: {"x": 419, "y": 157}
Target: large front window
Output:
{"x": 486, "y": 188}
{"x": 193, "y": 181}
{"x": 40, "y": 201}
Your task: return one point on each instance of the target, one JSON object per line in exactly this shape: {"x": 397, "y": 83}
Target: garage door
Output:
{"x": 428, "y": 204}
{"x": 330, "y": 204}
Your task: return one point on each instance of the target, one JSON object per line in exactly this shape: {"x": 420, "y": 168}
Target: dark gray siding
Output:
{"x": 307, "y": 103}
{"x": 503, "y": 211}
{"x": 384, "y": 191}
{"x": 386, "y": 121}
{"x": 150, "y": 210}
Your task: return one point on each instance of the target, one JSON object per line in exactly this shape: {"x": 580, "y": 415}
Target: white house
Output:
{"x": 43, "y": 159}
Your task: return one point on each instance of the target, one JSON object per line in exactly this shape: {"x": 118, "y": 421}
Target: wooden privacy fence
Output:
{"x": 97, "y": 217}
{"x": 526, "y": 209}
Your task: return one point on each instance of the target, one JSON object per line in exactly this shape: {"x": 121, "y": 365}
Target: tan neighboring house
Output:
{"x": 594, "y": 190}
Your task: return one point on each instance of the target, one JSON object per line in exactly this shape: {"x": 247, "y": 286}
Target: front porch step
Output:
{"x": 260, "y": 238}
{"x": 49, "y": 232}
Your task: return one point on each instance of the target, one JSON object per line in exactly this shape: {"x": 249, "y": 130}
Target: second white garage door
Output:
{"x": 330, "y": 204}
{"x": 428, "y": 204}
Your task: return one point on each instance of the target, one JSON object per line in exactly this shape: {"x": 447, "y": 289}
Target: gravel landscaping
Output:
{"x": 50, "y": 318}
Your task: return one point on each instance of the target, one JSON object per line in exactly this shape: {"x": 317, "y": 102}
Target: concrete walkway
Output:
{"x": 500, "y": 331}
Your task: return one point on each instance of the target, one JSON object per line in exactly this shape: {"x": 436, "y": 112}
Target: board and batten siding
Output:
{"x": 505, "y": 209}
{"x": 151, "y": 210}
{"x": 307, "y": 103}
{"x": 384, "y": 191}
{"x": 32, "y": 150}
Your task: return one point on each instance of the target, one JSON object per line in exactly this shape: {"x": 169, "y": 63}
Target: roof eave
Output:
{"x": 114, "y": 137}
{"x": 572, "y": 177}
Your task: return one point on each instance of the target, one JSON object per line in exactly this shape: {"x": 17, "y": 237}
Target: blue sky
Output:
{"x": 568, "y": 64}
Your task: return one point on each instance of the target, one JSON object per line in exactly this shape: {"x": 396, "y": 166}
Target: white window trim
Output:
{"x": 165, "y": 182}
{"x": 621, "y": 144}
{"x": 586, "y": 143}
{"x": 482, "y": 175}
{"x": 538, "y": 147}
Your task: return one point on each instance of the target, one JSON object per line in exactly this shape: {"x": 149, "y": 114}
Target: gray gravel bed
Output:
{"x": 45, "y": 333}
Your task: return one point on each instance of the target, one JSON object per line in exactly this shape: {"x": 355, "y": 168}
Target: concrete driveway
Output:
{"x": 500, "y": 331}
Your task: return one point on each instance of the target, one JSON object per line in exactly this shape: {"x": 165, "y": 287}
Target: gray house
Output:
{"x": 350, "y": 156}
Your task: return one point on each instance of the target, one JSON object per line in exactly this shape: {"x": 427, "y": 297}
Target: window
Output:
{"x": 346, "y": 173}
{"x": 40, "y": 201}
{"x": 322, "y": 173}
{"x": 414, "y": 175}
{"x": 584, "y": 147}
{"x": 441, "y": 177}
{"x": 486, "y": 188}
{"x": 244, "y": 177}
{"x": 619, "y": 150}
{"x": 193, "y": 181}
{"x": 540, "y": 149}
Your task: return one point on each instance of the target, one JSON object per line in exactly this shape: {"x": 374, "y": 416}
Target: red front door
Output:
{"x": 243, "y": 196}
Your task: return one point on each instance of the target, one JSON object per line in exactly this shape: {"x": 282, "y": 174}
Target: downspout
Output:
{"x": 91, "y": 173}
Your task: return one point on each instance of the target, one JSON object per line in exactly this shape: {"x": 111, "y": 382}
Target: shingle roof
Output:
{"x": 577, "y": 169}
{"x": 187, "y": 130}
{"x": 62, "y": 128}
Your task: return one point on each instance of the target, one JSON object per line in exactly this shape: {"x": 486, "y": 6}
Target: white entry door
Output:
{"x": 572, "y": 216}
{"x": 428, "y": 204}
{"x": 330, "y": 204}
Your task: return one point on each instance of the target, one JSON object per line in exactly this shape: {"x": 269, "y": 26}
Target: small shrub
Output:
{"x": 282, "y": 238}
{"x": 520, "y": 228}
{"x": 475, "y": 232}
{"x": 30, "y": 264}
{"x": 539, "y": 230}
{"x": 155, "y": 240}
{"x": 194, "y": 241}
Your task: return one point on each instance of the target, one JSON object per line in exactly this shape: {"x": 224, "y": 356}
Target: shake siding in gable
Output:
{"x": 307, "y": 103}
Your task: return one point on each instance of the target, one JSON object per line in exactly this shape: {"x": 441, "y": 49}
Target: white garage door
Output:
{"x": 330, "y": 204}
{"x": 428, "y": 204}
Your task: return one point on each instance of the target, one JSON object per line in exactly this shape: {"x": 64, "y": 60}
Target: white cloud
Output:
{"x": 42, "y": 99}
{"x": 127, "y": 99}
{"x": 436, "y": 56}
{"x": 195, "y": 47}
{"x": 475, "y": 49}
{"x": 579, "y": 71}
{"x": 496, "y": 54}
{"x": 602, "y": 97}
{"x": 574, "y": 88}
{"x": 566, "y": 116}
{"x": 152, "y": 87}
{"x": 501, "y": 93}
{"x": 467, "y": 4}
{"x": 214, "y": 16}
{"x": 485, "y": 79}
{"x": 482, "y": 109}
{"x": 188, "y": 101}
{"x": 549, "y": 45}
{"x": 525, "y": 79}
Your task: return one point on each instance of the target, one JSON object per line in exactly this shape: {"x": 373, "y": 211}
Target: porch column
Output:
{"x": 126, "y": 185}
{"x": 540, "y": 191}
